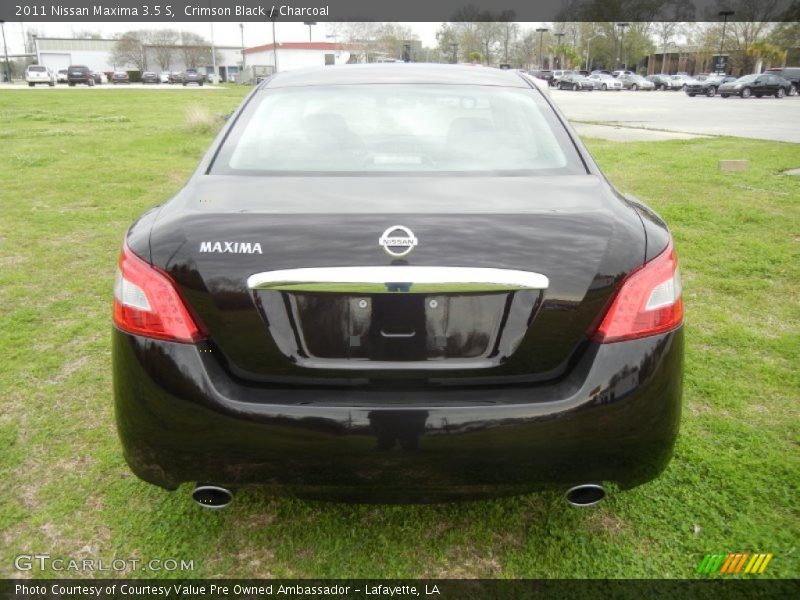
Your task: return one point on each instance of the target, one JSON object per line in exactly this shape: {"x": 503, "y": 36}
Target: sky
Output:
{"x": 225, "y": 33}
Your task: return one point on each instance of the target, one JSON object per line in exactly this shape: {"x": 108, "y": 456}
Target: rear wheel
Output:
{"x": 780, "y": 93}
{"x": 746, "y": 93}
{"x": 711, "y": 91}
{"x": 30, "y": 84}
{"x": 634, "y": 87}
{"x": 575, "y": 87}
{"x": 604, "y": 88}
{"x": 793, "y": 90}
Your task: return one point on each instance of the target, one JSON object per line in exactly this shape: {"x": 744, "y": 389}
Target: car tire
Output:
{"x": 184, "y": 84}
{"x": 30, "y": 84}
{"x": 201, "y": 84}
{"x": 576, "y": 87}
{"x": 724, "y": 95}
{"x": 691, "y": 95}
{"x": 711, "y": 91}
{"x": 71, "y": 84}
{"x": 634, "y": 88}
{"x": 793, "y": 90}
{"x": 746, "y": 93}
{"x": 780, "y": 93}
{"x": 51, "y": 84}
{"x": 604, "y": 88}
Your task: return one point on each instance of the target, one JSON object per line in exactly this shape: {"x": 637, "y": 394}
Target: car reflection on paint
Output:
{"x": 398, "y": 282}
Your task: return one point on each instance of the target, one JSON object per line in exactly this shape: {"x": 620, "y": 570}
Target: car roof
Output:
{"x": 397, "y": 73}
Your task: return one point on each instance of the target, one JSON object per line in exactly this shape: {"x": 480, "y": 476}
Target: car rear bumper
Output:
{"x": 181, "y": 418}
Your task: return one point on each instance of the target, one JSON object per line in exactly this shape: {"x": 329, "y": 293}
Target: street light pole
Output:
{"x": 274, "y": 49}
{"x": 541, "y": 31}
{"x": 310, "y": 25}
{"x": 5, "y": 51}
{"x": 559, "y": 35}
{"x": 622, "y": 27}
{"x": 589, "y": 41}
{"x": 724, "y": 14}
{"x": 241, "y": 30}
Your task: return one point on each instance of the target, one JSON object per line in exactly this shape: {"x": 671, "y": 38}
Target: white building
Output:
{"x": 296, "y": 55}
{"x": 97, "y": 54}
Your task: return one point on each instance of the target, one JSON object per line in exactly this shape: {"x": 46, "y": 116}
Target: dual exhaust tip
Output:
{"x": 215, "y": 497}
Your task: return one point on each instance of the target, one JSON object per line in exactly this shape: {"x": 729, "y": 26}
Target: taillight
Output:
{"x": 647, "y": 303}
{"x": 146, "y": 302}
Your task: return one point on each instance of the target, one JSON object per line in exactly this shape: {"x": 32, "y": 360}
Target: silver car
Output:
{"x": 635, "y": 82}
{"x": 605, "y": 82}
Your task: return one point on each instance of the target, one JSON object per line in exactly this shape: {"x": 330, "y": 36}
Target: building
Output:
{"x": 296, "y": 55}
{"x": 98, "y": 55}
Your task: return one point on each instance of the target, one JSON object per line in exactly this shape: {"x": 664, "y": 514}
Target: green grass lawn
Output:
{"x": 77, "y": 166}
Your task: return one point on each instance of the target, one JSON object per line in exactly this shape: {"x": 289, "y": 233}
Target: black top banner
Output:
{"x": 398, "y": 10}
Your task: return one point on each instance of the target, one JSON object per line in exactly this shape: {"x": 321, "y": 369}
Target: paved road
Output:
{"x": 761, "y": 118}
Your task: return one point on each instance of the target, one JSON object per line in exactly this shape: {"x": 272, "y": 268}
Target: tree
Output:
{"x": 164, "y": 42}
{"x": 762, "y": 51}
{"x": 195, "y": 50}
{"x": 129, "y": 50}
{"x": 665, "y": 31}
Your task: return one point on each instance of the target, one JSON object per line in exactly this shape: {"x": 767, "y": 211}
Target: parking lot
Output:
{"x": 759, "y": 118}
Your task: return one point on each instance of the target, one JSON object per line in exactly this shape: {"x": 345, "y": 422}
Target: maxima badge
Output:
{"x": 398, "y": 240}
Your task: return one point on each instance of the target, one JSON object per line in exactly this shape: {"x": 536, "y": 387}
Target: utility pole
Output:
{"x": 541, "y": 31}
{"x": 241, "y": 30}
{"x": 274, "y": 49}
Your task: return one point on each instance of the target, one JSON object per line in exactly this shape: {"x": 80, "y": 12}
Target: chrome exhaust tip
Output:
{"x": 213, "y": 497}
{"x": 586, "y": 494}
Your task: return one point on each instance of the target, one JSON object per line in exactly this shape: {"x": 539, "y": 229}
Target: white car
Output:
{"x": 164, "y": 77}
{"x": 61, "y": 76}
{"x": 605, "y": 82}
{"x": 39, "y": 74}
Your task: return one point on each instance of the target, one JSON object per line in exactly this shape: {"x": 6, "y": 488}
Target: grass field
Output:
{"x": 77, "y": 167}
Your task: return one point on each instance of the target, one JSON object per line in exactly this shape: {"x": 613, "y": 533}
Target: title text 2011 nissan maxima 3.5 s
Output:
{"x": 398, "y": 283}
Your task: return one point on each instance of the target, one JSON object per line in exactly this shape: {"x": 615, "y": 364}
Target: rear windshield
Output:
{"x": 36, "y": 69}
{"x": 408, "y": 128}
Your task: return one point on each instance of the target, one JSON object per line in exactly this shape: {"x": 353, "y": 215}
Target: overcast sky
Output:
{"x": 225, "y": 34}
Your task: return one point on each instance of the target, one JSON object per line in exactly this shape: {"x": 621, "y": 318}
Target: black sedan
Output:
{"x": 707, "y": 86}
{"x": 150, "y": 77}
{"x": 756, "y": 85}
{"x": 396, "y": 282}
{"x": 575, "y": 82}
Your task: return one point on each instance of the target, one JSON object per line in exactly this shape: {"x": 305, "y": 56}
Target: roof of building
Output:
{"x": 398, "y": 73}
{"x": 303, "y": 46}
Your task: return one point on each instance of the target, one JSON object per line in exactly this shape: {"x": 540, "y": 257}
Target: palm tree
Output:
{"x": 762, "y": 51}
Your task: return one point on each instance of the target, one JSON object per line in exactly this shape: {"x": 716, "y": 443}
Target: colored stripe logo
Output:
{"x": 733, "y": 563}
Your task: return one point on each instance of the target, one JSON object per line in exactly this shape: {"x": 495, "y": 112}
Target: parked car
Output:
{"x": 660, "y": 81}
{"x": 557, "y": 75}
{"x": 287, "y": 337}
{"x": 707, "y": 86}
{"x": 678, "y": 82}
{"x": 575, "y": 82}
{"x": 163, "y": 77}
{"x": 605, "y": 82}
{"x": 543, "y": 74}
{"x": 150, "y": 77}
{"x": 100, "y": 77}
{"x": 192, "y": 76}
{"x": 120, "y": 77}
{"x": 176, "y": 77}
{"x": 790, "y": 74}
{"x": 765, "y": 84}
{"x": 635, "y": 82}
{"x": 61, "y": 76}
{"x": 39, "y": 74}
{"x": 80, "y": 74}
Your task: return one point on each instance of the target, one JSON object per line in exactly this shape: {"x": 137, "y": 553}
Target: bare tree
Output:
{"x": 129, "y": 50}
{"x": 195, "y": 50}
{"x": 665, "y": 31}
{"x": 164, "y": 42}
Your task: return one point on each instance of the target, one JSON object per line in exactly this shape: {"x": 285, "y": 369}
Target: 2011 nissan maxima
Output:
{"x": 398, "y": 282}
